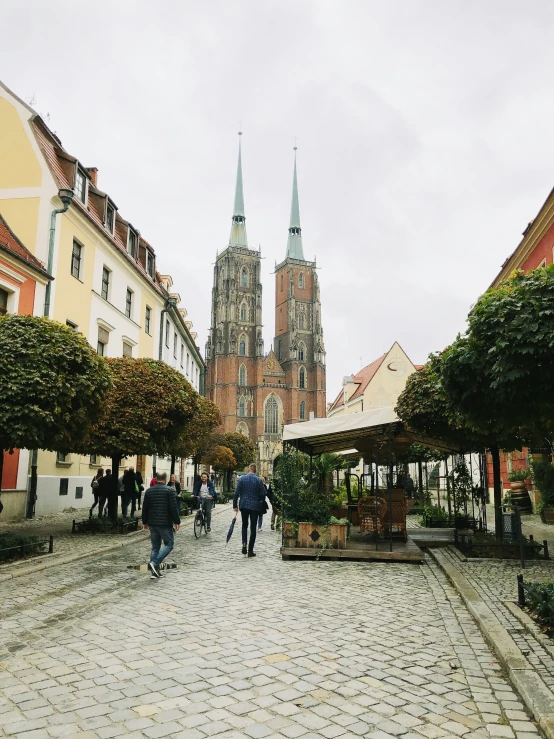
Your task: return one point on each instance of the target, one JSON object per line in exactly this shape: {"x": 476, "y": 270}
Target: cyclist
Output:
{"x": 205, "y": 491}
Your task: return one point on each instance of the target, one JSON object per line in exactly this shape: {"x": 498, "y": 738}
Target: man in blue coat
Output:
{"x": 251, "y": 492}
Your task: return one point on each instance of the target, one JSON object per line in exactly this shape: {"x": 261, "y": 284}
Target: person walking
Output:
{"x": 205, "y": 491}
{"x": 104, "y": 492}
{"x": 140, "y": 483}
{"x": 261, "y": 515}
{"x": 250, "y": 495}
{"x": 129, "y": 490}
{"x": 160, "y": 516}
{"x": 95, "y": 484}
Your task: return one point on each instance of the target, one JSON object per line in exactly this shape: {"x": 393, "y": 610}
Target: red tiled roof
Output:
{"x": 362, "y": 378}
{"x": 53, "y": 152}
{"x": 418, "y": 366}
{"x": 10, "y": 242}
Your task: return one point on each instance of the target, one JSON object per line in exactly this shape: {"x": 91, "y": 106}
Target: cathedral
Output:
{"x": 257, "y": 393}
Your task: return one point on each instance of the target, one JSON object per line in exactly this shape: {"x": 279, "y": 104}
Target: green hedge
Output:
{"x": 540, "y": 600}
{"x": 11, "y": 545}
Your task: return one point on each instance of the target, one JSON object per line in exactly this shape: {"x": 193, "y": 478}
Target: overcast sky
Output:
{"x": 425, "y": 142}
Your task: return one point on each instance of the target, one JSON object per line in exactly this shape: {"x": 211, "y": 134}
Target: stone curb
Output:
{"x": 528, "y": 683}
{"x": 54, "y": 562}
{"x": 530, "y": 626}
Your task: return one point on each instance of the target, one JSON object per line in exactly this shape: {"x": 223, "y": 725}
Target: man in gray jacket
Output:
{"x": 160, "y": 515}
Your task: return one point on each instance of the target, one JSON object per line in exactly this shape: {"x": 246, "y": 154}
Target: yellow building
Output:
{"x": 106, "y": 282}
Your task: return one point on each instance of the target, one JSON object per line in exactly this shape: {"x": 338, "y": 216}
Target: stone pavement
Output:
{"x": 247, "y": 649}
{"x": 496, "y": 583}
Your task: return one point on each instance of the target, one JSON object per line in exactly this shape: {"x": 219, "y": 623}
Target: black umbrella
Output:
{"x": 231, "y": 529}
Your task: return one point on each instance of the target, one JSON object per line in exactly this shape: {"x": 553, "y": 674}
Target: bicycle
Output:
{"x": 200, "y": 522}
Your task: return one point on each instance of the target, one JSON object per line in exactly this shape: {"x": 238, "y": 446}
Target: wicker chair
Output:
{"x": 371, "y": 511}
{"x": 399, "y": 511}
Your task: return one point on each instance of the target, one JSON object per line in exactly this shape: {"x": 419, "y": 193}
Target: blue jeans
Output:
{"x": 260, "y": 520}
{"x": 157, "y": 535}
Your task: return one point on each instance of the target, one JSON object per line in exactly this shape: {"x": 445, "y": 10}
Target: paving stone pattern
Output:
{"x": 496, "y": 582}
{"x": 247, "y": 649}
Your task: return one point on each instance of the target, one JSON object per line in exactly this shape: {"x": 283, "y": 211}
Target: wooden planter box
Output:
{"x": 311, "y": 536}
{"x": 547, "y": 515}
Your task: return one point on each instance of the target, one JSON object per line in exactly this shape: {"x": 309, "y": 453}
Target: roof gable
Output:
{"x": 10, "y": 243}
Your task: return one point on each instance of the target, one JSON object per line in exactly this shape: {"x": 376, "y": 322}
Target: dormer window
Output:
{"x": 132, "y": 243}
{"x": 150, "y": 264}
{"x": 81, "y": 186}
{"x": 110, "y": 218}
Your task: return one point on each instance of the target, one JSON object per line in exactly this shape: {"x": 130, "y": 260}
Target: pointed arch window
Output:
{"x": 242, "y": 375}
{"x": 243, "y": 277}
{"x": 302, "y": 321}
{"x": 243, "y": 312}
{"x": 242, "y": 346}
{"x": 301, "y": 280}
{"x": 302, "y": 411}
{"x": 302, "y": 378}
{"x": 301, "y": 352}
{"x": 242, "y": 407}
{"x": 281, "y": 283}
{"x": 271, "y": 416}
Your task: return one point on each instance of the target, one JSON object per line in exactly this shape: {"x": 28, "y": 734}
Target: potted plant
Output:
{"x": 543, "y": 477}
{"x": 519, "y": 493}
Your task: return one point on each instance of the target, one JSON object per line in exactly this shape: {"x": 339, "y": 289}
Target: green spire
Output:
{"x": 238, "y": 228}
{"x": 294, "y": 245}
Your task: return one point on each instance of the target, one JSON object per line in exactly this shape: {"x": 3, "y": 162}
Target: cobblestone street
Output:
{"x": 250, "y": 648}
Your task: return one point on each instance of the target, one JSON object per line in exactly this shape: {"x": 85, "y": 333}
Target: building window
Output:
{"x": 271, "y": 416}
{"x": 281, "y": 283}
{"x": 182, "y": 355}
{"x": 71, "y": 325}
{"x": 301, "y": 353}
{"x": 243, "y": 312}
{"x": 105, "y": 292}
{"x": 301, "y": 321}
{"x": 61, "y": 458}
{"x": 280, "y": 318}
{"x": 197, "y": 378}
{"x": 302, "y": 377}
{"x": 175, "y": 345}
{"x": 543, "y": 263}
{"x": 242, "y": 347}
{"x": 150, "y": 264}
{"x": 110, "y": 218}
{"x": 302, "y": 411}
{"x": 167, "y": 333}
{"x": 132, "y": 243}
{"x": 243, "y": 277}
{"x": 76, "y": 260}
{"x": 3, "y": 302}
{"x": 103, "y": 337}
{"x": 81, "y": 186}
{"x": 279, "y": 350}
{"x": 129, "y": 303}
{"x": 147, "y": 319}
{"x": 93, "y": 459}
{"x": 188, "y": 364}
{"x": 127, "y": 349}
{"x": 242, "y": 409}
{"x": 242, "y": 375}
{"x": 301, "y": 280}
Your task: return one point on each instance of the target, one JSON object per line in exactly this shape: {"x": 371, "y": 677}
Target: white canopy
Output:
{"x": 338, "y": 424}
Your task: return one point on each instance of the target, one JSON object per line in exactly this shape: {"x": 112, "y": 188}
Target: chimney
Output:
{"x": 93, "y": 174}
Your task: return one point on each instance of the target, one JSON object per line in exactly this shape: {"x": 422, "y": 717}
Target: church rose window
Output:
{"x": 302, "y": 377}
{"x": 242, "y": 375}
{"x": 271, "y": 416}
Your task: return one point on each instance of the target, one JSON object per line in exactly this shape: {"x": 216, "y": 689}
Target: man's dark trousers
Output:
{"x": 252, "y": 516}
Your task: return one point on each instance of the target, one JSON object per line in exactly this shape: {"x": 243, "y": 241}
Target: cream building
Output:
{"x": 106, "y": 283}
{"x": 375, "y": 386}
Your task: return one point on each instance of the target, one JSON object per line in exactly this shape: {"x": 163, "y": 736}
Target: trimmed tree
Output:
{"x": 196, "y": 435}
{"x": 242, "y": 448}
{"x": 144, "y": 412}
{"x": 52, "y": 383}
{"x": 221, "y": 458}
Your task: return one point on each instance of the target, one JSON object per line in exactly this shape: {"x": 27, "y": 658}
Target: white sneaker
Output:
{"x": 154, "y": 570}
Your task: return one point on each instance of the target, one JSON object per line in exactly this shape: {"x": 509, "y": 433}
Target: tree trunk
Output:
{"x": 420, "y": 481}
{"x": 172, "y": 464}
{"x": 1, "y": 466}
{"x": 113, "y": 499}
{"x": 497, "y": 485}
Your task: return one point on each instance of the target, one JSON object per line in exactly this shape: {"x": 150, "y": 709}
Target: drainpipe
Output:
{"x": 66, "y": 196}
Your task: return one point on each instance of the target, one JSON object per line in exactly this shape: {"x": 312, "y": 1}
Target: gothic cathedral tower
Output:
{"x": 298, "y": 332}
{"x": 235, "y": 342}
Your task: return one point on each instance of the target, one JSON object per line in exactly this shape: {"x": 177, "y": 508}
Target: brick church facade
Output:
{"x": 257, "y": 393}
